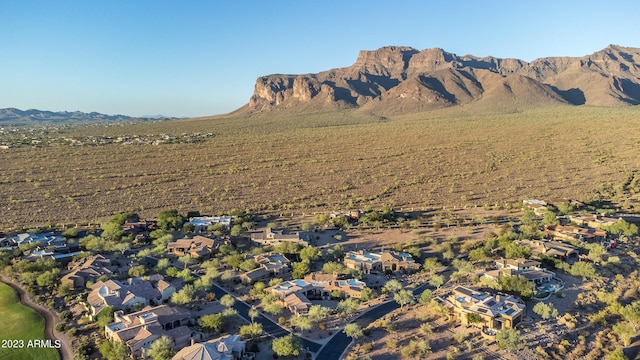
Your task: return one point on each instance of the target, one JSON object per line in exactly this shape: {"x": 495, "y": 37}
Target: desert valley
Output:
{"x": 416, "y": 204}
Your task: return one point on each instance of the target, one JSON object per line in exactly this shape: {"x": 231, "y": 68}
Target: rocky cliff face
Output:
{"x": 402, "y": 79}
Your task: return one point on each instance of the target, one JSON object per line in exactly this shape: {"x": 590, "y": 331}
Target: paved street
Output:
{"x": 268, "y": 326}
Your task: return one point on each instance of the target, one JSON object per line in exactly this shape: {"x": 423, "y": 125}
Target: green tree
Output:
{"x": 289, "y": 345}
{"x": 479, "y": 254}
{"x": 112, "y": 231}
{"x": 170, "y": 220}
{"x": 309, "y": 254}
{"x": 70, "y": 233}
{"x": 622, "y": 227}
{"x": 212, "y": 322}
{"x": 302, "y": 322}
{"x": 617, "y": 354}
{"x": 271, "y": 304}
{"x": 186, "y": 260}
{"x": 305, "y": 226}
{"x": 516, "y": 251}
{"x": 550, "y": 218}
{"x": 318, "y": 312}
{"x": 631, "y": 313}
{"x": 236, "y": 230}
{"x": 93, "y": 243}
{"x": 625, "y": 332}
{"x": 404, "y": 297}
{"x": 517, "y": 283}
{"x": 258, "y": 289}
{"x": 473, "y": 318}
{"x": 137, "y": 271}
{"x": 566, "y": 208}
{"x": 425, "y": 297}
{"x": 392, "y": 286}
{"x": 163, "y": 264}
{"x": 112, "y": 351}
{"x": 367, "y": 294}
{"x": 105, "y": 317}
{"x": 300, "y": 269}
{"x": 529, "y": 217}
{"x": 337, "y": 252}
{"x": 248, "y": 265}
{"x": 334, "y": 268}
{"x": 251, "y": 331}
{"x": 253, "y": 313}
{"x": 431, "y": 265}
{"x": 508, "y": 339}
{"x": 184, "y": 296}
{"x": 123, "y": 217}
{"x": 234, "y": 260}
{"x": 584, "y": 270}
{"x": 48, "y": 278}
{"x": 353, "y": 331}
{"x": 546, "y": 311}
{"x": 347, "y": 306}
{"x": 161, "y": 349}
{"x": 436, "y": 281}
{"x": 227, "y": 300}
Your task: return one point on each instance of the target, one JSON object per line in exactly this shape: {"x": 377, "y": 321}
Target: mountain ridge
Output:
{"x": 401, "y": 79}
{"x": 14, "y": 116}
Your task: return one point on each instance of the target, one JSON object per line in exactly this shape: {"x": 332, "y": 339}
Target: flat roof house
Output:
{"x": 198, "y": 247}
{"x": 485, "y": 310}
{"x": 140, "y": 329}
{"x": 273, "y": 237}
{"x": 530, "y": 269}
{"x": 555, "y": 249}
{"x": 371, "y": 262}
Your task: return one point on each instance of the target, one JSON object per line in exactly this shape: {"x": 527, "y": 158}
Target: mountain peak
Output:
{"x": 402, "y": 79}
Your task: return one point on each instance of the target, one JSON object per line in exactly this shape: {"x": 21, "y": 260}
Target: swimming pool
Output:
{"x": 547, "y": 288}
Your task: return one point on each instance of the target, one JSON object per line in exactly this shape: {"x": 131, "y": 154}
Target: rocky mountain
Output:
{"x": 398, "y": 79}
{"x": 32, "y": 116}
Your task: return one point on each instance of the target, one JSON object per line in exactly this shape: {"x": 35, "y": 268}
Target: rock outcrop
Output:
{"x": 397, "y": 79}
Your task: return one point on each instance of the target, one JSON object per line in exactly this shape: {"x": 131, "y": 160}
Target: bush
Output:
{"x": 61, "y": 326}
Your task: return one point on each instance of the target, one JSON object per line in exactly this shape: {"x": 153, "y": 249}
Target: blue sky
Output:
{"x": 196, "y": 58}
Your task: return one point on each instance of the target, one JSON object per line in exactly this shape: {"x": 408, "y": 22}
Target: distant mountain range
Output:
{"x": 396, "y": 79}
{"x": 12, "y": 116}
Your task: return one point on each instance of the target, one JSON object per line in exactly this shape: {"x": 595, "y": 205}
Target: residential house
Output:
{"x": 275, "y": 264}
{"x": 296, "y": 294}
{"x": 559, "y": 232}
{"x": 129, "y": 294}
{"x": 352, "y": 214}
{"x": 539, "y": 207}
{"x": 254, "y": 275}
{"x": 139, "y": 229}
{"x": 228, "y": 347}
{"x": 43, "y": 240}
{"x": 555, "y": 249}
{"x": 594, "y": 221}
{"x": 202, "y": 223}
{"x": 140, "y": 329}
{"x": 367, "y": 262}
{"x": 388, "y": 261}
{"x": 398, "y": 261}
{"x": 273, "y": 237}
{"x": 198, "y": 247}
{"x": 530, "y": 269}
{"x": 481, "y": 309}
{"x": 90, "y": 269}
